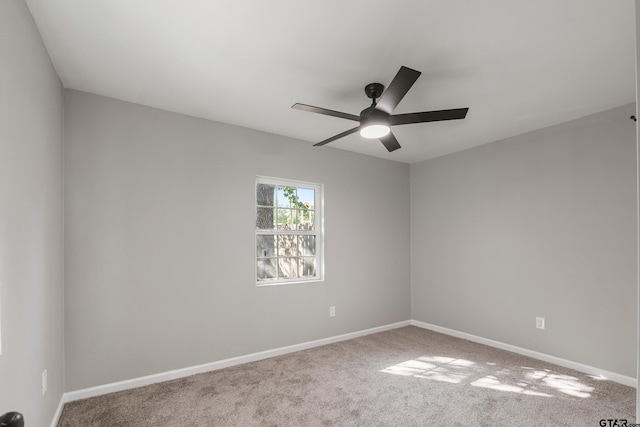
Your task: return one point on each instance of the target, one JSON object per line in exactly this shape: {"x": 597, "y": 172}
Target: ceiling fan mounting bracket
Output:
{"x": 374, "y": 90}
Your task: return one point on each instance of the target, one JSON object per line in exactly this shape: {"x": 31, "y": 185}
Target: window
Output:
{"x": 288, "y": 231}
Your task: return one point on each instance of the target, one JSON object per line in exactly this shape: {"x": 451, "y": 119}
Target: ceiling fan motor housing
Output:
{"x": 372, "y": 116}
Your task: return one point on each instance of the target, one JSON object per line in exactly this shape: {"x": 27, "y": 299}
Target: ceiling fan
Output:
{"x": 376, "y": 120}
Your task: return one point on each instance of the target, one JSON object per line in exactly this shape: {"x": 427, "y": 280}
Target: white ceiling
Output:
{"x": 519, "y": 65}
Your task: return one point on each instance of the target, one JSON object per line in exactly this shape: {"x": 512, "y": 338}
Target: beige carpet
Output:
{"x": 404, "y": 377}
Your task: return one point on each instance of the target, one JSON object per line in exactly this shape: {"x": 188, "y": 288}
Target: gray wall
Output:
{"x": 159, "y": 217}
{"x": 638, "y": 195}
{"x": 542, "y": 224}
{"x": 31, "y": 243}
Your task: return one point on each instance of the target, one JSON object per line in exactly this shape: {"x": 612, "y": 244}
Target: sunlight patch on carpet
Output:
{"x": 438, "y": 368}
{"x": 563, "y": 383}
{"x": 525, "y": 380}
{"x": 493, "y": 383}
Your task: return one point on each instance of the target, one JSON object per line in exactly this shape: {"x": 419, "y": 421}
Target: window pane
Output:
{"x": 288, "y": 267}
{"x": 310, "y": 224}
{"x": 307, "y": 197}
{"x": 296, "y": 218}
{"x": 266, "y": 246}
{"x": 308, "y": 244}
{"x": 284, "y": 219}
{"x": 266, "y": 269}
{"x": 305, "y": 219}
{"x": 287, "y": 245}
{"x": 264, "y": 218}
{"x": 293, "y": 220}
{"x": 285, "y": 195}
{"x": 265, "y": 194}
{"x": 307, "y": 267}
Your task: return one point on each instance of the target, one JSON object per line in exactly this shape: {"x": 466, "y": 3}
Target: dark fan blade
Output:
{"x": 338, "y": 136}
{"x": 311, "y": 108}
{"x": 390, "y": 142}
{"x": 398, "y": 88}
{"x": 428, "y": 116}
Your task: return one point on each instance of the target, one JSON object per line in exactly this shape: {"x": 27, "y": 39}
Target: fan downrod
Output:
{"x": 374, "y": 90}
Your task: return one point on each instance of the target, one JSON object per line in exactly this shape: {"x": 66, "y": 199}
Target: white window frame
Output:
{"x": 318, "y": 231}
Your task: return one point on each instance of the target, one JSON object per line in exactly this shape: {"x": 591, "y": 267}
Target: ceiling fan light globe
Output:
{"x": 374, "y": 131}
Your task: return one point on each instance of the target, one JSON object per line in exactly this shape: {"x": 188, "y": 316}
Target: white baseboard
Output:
{"x": 601, "y": 373}
{"x": 213, "y": 366}
{"x": 56, "y": 416}
{"x": 221, "y": 364}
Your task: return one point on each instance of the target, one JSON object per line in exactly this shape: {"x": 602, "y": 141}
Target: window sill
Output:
{"x": 288, "y": 282}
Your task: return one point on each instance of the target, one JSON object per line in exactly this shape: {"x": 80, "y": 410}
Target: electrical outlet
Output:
{"x": 44, "y": 382}
{"x": 540, "y": 322}
{"x": 332, "y": 311}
